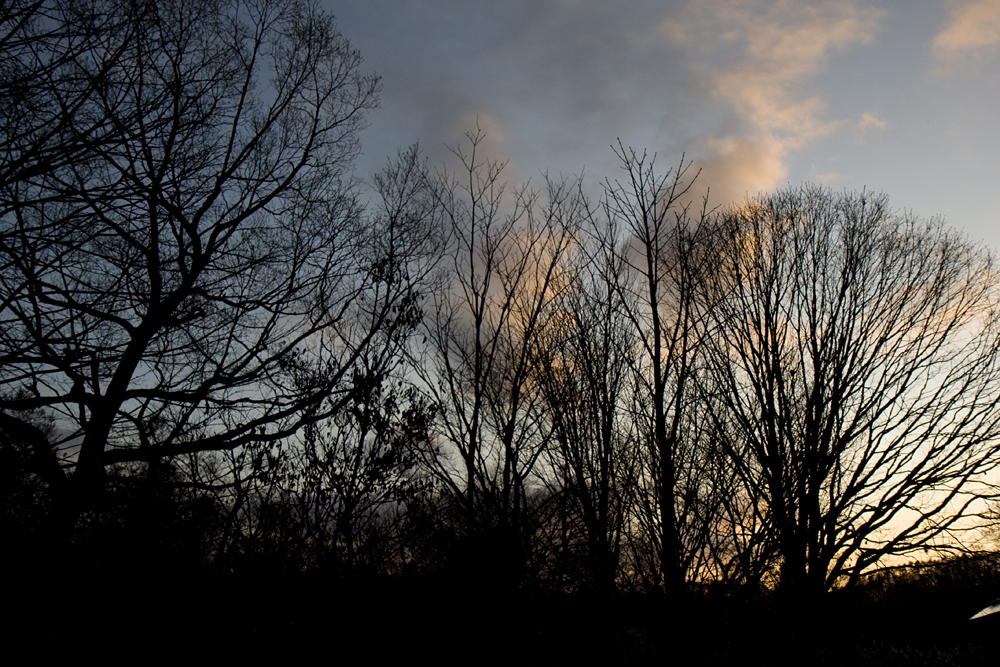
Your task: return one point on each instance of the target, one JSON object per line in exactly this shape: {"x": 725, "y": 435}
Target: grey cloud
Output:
{"x": 562, "y": 78}
{"x": 556, "y": 82}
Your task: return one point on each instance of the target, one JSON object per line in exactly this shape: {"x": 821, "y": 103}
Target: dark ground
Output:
{"x": 908, "y": 620}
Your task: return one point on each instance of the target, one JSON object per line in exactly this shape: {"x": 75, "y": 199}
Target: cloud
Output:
{"x": 554, "y": 83}
{"x": 973, "y": 27}
{"x": 757, "y": 59}
{"x": 740, "y": 166}
{"x": 561, "y": 78}
{"x": 870, "y": 121}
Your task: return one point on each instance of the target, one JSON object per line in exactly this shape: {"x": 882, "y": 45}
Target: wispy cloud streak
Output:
{"x": 757, "y": 58}
{"x": 973, "y": 28}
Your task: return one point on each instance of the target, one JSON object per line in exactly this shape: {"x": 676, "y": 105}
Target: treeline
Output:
{"x": 217, "y": 353}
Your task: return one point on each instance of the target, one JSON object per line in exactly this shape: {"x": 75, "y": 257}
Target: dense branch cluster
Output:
{"x": 209, "y": 341}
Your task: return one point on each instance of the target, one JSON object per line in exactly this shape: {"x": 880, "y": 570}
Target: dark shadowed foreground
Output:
{"x": 904, "y": 618}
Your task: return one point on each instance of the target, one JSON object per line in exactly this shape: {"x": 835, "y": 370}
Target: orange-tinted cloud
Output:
{"x": 759, "y": 56}
{"x": 973, "y": 27}
{"x": 870, "y": 121}
{"x": 738, "y": 167}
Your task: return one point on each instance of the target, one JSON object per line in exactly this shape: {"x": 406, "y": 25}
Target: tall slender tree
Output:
{"x": 507, "y": 269}
{"x": 667, "y": 258}
{"x": 584, "y": 375}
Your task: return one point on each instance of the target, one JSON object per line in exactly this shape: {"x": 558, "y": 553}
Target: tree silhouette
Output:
{"x": 178, "y": 222}
{"x": 478, "y": 365}
{"x": 584, "y": 375}
{"x": 856, "y": 356}
{"x": 666, "y": 259}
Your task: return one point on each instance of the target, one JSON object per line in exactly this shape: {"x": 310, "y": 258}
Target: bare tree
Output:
{"x": 584, "y": 375}
{"x": 329, "y": 495}
{"x": 506, "y": 269}
{"x": 178, "y": 225}
{"x": 857, "y": 360}
{"x": 667, "y": 258}
{"x": 739, "y": 548}
{"x": 40, "y": 89}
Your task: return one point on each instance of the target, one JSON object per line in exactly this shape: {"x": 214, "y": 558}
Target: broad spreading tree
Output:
{"x": 181, "y": 241}
{"x": 855, "y": 366}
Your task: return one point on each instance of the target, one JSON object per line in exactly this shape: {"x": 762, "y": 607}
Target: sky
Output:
{"x": 898, "y": 96}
